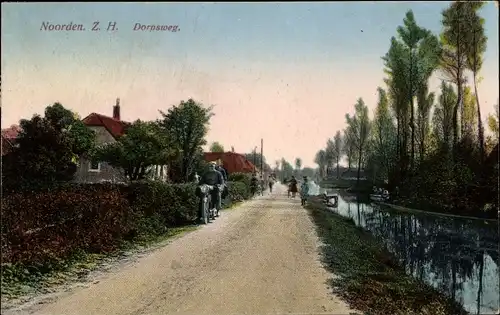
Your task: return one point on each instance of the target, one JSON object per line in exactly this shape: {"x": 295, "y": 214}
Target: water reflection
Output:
{"x": 459, "y": 257}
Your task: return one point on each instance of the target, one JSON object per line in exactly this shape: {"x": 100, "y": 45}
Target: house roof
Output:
{"x": 9, "y": 136}
{"x": 115, "y": 127}
{"x": 232, "y": 162}
{"x": 12, "y": 132}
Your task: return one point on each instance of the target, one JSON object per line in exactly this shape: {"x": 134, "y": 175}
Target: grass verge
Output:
{"x": 370, "y": 279}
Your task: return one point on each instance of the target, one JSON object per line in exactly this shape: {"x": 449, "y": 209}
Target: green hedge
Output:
{"x": 238, "y": 191}
{"x": 245, "y": 178}
{"x": 41, "y": 226}
{"x": 176, "y": 203}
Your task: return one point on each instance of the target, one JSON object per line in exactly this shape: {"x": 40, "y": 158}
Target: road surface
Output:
{"x": 261, "y": 258}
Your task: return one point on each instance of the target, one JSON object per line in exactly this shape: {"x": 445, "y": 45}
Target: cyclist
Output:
{"x": 213, "y": 177}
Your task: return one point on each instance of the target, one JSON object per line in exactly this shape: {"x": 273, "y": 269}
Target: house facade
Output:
{"x": 108, "y": 130}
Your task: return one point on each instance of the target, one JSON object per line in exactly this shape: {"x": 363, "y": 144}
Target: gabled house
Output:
{"x": 108, "y": 130}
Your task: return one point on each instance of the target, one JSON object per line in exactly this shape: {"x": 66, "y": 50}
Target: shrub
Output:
{"x": 240, "y": 177}
{"x": 238, "y": 191}
{"x": 176, "y": 203}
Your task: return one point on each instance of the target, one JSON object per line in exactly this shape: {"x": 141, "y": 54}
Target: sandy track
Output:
{"x": 259, "y": 259}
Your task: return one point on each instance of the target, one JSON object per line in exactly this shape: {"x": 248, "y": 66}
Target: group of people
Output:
{"x": 257, "y": 184}
{"x": 304, "y": 189}
{"x": 217, "y": 175}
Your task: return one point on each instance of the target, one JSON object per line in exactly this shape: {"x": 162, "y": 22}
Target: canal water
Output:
{"x": 457, "y": 256}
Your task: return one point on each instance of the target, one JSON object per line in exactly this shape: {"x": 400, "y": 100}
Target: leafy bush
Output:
{"x": 240, "y": 177}
{"x": 176, "y": 203}
{"x": 238, "y": 191}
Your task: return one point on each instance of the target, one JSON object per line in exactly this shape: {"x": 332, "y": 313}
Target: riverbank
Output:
{"x": 370, "y": 278}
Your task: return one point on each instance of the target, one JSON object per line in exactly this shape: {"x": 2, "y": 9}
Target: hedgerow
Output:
{"x": 42, "y": 226}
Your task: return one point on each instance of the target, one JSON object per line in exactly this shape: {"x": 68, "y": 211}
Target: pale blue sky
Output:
{"x": 296, "y": 67}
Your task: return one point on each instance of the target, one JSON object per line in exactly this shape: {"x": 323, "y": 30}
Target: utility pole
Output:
{"x": 255, "y": 157}
{"x": 262, "y": 156}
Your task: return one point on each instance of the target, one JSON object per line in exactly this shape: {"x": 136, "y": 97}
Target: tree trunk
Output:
{"x": 479, "y": 122}
{"x": 338, "y": 169}
{"x": 412, "y": 114}
{"x": 412, "y": 123}
{"x": 422, "y": 137}
{"x": 456, "y": 136}
{"x": 359, "y": 164}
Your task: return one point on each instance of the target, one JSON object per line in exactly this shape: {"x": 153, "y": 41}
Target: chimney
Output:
{"x": 116, "y": 110}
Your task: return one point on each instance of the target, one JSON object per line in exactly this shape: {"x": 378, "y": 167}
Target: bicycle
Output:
{"x": 209, "y": 205}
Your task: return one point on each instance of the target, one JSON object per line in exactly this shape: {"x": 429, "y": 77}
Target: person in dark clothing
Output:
{"x": 213, "y": 177}
{"x": 222, "y": 170}
{"x": 293, "y": 186}
{"x": 254, "y": 184}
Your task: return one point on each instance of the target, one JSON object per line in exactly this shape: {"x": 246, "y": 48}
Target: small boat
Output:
{"x": 378, "y": 197}
{"x": 331, "y": 200}
{"x": 379, "y": 194}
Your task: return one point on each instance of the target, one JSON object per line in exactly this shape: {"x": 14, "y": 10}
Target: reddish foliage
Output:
{"x": 41, "y": 226}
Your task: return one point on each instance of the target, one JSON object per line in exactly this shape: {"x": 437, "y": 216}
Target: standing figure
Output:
{"x": 304, "y": 191}
{"x": 254, "y": 183}
{"x": 293, "y": 186}
{"x": 271, "y": 184}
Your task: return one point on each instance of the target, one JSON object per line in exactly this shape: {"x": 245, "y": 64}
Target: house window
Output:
{"x": 94, "y": 166}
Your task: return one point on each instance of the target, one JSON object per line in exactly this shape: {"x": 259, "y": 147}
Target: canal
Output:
{"x": 457, "y": 256}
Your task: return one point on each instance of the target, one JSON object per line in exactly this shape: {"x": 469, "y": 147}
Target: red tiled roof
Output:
{"x": 232, "y": 162}
{"x": 12, "y": 132}
{"x": 115, "y": 127}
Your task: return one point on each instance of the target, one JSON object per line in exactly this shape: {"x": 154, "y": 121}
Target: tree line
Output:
{"x": 430, "y": 145}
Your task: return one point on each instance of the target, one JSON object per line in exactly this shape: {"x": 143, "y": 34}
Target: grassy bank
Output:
{"x": 370, "y": 278}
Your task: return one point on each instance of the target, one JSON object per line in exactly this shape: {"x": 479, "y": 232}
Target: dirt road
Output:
{"x": 259, "y": 259}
